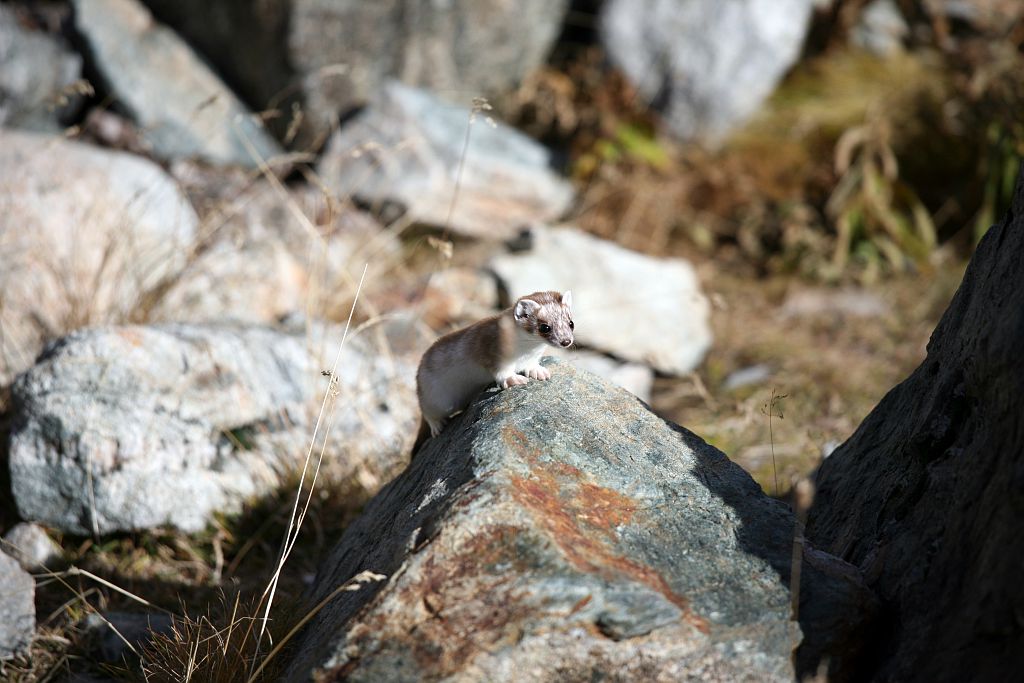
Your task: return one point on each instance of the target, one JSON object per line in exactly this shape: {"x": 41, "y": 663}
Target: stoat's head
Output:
{"x": 547, "y": 315}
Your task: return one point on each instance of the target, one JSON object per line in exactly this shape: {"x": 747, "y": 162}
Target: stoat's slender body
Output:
{"x": 500, "y": 349}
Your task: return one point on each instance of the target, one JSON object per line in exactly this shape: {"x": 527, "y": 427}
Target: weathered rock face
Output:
{"x": 84, "y": 233}
{"x": 562, "y": 531}
{"x": 338, "y": 52}
{"x": 633, "y": 306}
{"x": 133, "y": 427}
{"x": 926, "y": 497}
{"x": 183, "y": 107}
{"x": 707, "y": 64}
{"x": 17, "y": 608}
{"x": 406, "y": 148}
{"x": 34, "y": 71}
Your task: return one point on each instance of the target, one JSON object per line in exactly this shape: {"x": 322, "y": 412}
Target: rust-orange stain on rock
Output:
{"x": 603, "y": 508}
{"x": 470, "y": 603}
{"x": 582, "y": 518}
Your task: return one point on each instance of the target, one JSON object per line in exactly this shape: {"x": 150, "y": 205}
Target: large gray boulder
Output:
{"x": 636, "y": 307}
{"x": 335, "y": 53}
{"x": 927, "y": 496}
{"x": 184, "y": 109}
{"x": 706, "y": 64}
{"x": 407, "y": 147}
{"x": 35, "y": 71}
{"x": 562, "y": 531}
{"x": 17, "y": 608}
{"x": 128, "y": 428}
{"x": 85, "y": 233}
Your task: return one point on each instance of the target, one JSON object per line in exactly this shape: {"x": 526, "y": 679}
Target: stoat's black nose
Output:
{"x": 566, "y": 342}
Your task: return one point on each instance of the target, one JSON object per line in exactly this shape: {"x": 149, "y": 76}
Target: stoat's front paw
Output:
{"x": 538, "y": 372}
{"x": 513, "y": 381}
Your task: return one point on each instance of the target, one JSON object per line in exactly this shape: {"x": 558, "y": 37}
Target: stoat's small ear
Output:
{"x": 567, "y": 299}
{"x": 525, "y": 307}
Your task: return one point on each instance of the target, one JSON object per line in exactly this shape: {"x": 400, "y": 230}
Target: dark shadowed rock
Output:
{"x": 562, "y": 531}
{"x": 406, "y": 148}
{"x": 128, "y": 428}
{"x": 335, "y": 53}
{"x": 927, "y": 497}
{"x": 707, "y": 64}
{"x": 35, "y": 69}
{"x": 17, "y": 607}
{"x": 109, "y": 645}
{"x": 183, "y": 107}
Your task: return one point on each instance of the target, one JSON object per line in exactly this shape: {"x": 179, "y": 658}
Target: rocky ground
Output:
{"x": 226, "y": 238}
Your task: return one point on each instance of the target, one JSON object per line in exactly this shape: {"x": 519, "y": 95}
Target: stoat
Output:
{"x": 500, "y": 349}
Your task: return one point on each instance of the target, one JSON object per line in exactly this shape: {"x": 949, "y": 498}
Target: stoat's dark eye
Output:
{"x": 571, "y": 326}
{"x": 544, "y": 329}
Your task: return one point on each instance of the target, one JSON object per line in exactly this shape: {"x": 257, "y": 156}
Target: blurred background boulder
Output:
{"x": 38, "y": 75}
{"x": 183, "y": 107}
{"x": 328, "y": 57}
{"x": 707, "y": 65}
{"x": 85, "y": 233}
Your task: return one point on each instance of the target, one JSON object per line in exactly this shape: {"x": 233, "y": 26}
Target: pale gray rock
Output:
{"x": 635, "y": 307}
{"x": 85, "y": 233}
{"x": 265, "y": 264}
{"x": 636, "y": 378}
{"x": 126, "y": 428}
{"x": 185, "y": 110}
{"x": 334, "y": 53}
{"x": 31, "y": 546}
{"x": 881, "y": 28}
{"x": 17, "y": 608}
{"x": 35, "y": 74}
{"x": 747, "y": 376}
{"x": 706, "y": 64}
{"x": 406, "y": 147}
{"x": 852, "y": 303}
{"x": 562, "y": 531}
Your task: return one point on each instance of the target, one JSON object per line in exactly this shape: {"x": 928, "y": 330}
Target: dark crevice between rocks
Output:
{"x": 265, "y": 78}
{"x": 8, "y": 512}
{"x": 102, "y": 98}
